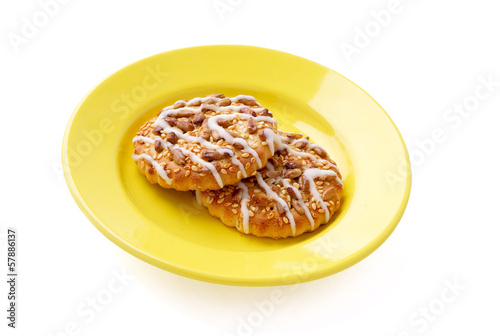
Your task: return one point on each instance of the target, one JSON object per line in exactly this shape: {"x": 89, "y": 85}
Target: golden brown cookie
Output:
{"x": 205, "y": 143}
{"x": 298, "y": 190}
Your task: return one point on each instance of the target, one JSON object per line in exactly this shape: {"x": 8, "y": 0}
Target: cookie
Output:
{"x": 299, "y": 189}
{"x": 205, "y": 143}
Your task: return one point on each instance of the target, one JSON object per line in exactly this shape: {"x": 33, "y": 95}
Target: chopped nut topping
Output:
{"x": 260, "y": 200}
{"x": 224, "y": 102}
{"x": 328, "y": 193}
{"x": 178, "y": 156}
{"x": 185, "y": 124}
{"x": 172, "y": 137}
{"x": 252, "y": 126}
{"x": 179, "y": 104}
{"x": 198, "y": 119}
{"x": 216, "y": 95}
{"x": 157, "y": 130}
{"x": 158, "y": 146}
{"x": 247, "y": 101}
{"x": 320, "y": 151}
{"x": 210, "y": 154}
{"x": 265, "y": 112}
{"x": 247, "y": 110}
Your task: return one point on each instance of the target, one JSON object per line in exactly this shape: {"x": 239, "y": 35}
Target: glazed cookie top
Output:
{"x": 207, "y": 143}
{"x": 299, "y": 189}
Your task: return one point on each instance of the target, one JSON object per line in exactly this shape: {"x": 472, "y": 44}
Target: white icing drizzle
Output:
{"x": 281, "y": 145}
{"x": 244, "y": 208}
{"x": 292, "y": 151}
{"x": 191, "y": 155}
{"x": 287, "y": 184}
{"x": 234, "y": 160}
{"x": 201, "y": 100}
{"x": 312, "y": 174}
{"x": 213, "y": 126}
{"x": 169, "y": 110}
{"x": 189, "y": 138}
{"x": 197, "y": 159}
{"x": 269, "y": 166}
{"x": 155, "y": 164}
{"x": 240, "y": 97}
{"x": 273, "y": 140}
{"x": 143, "y": 138}
{"x": 271, "y": 193}
{"x": 198, "y": 196}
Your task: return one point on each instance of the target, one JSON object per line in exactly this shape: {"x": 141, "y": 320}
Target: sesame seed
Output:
{"x": 219, "y": 201}
{"x": 223, "y": 171}
{"x": 239, "y": 175}
{"x": 271, "y": 215}
{"x": 251, "y": 213}
{"x": 285, "y": 220}
{"x": 313, "y": 206}
{"x": 252, "y": 160}
{"x": 264, "y": 143}
{"x": 232, "y": 169}
{"x": 234, "y": 211}
{"x": 227, "y": 204}
{"x": 245, "y": 155}
{"x": 321, "y": 211}
{"x": 247, "y": 165}
{"x": 176, "y": 170}
{"x": 210, "y": 200}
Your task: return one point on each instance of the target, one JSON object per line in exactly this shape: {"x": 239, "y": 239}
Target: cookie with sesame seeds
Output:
{"x": 299, "y": 189}
{"x": 205, "y": 143}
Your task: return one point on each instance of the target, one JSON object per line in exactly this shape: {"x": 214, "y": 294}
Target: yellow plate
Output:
{"x": 170, "y": 230}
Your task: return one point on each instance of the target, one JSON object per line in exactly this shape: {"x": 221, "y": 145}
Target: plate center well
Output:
{"x": 177, "y": 213}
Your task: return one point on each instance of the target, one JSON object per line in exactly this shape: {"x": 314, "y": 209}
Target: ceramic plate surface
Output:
{"x": 170, "y": 230}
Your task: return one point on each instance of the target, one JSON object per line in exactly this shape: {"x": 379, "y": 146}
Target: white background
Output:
{"x": 429, "y": 57}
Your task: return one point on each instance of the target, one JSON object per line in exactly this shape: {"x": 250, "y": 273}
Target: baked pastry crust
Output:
{"x": 205, "y": 143}
{"x": 298, "y": 190}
